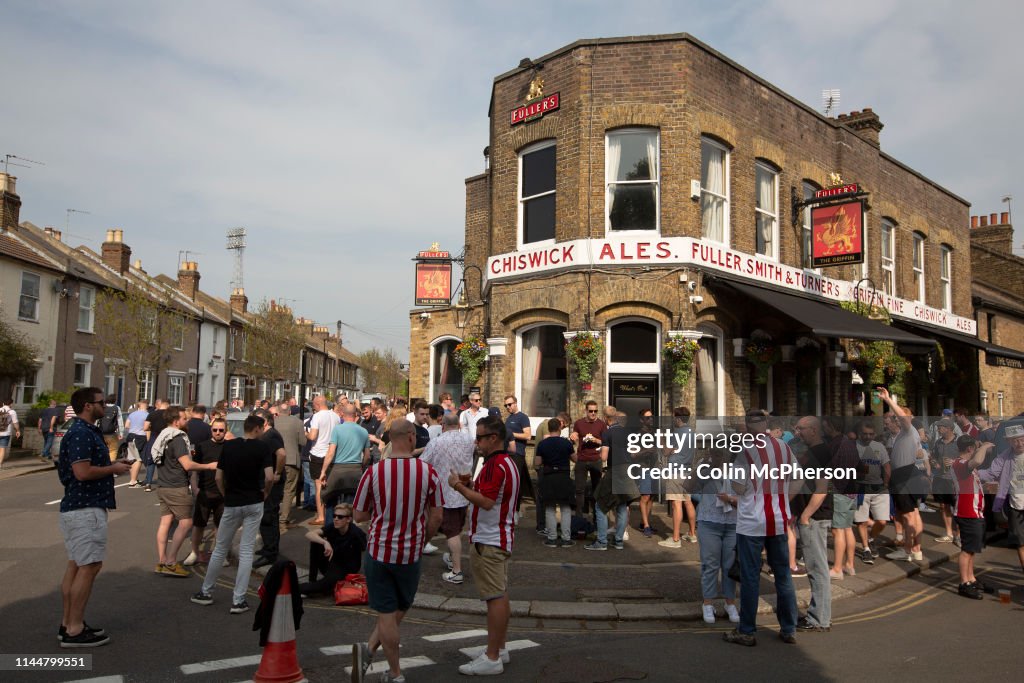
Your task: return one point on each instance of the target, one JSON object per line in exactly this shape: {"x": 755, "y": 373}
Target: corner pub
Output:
{"x": 661, "y": 191}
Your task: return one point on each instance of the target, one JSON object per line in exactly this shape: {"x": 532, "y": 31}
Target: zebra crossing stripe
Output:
{"x": 457, "y": 635}
{"x": 403, "y": 663}
{"x": 474, "y": 652}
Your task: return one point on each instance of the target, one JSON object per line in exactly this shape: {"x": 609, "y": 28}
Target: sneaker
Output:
{"x": 227, "y": 562}
{"x": 923, "y": 507}
{"x": 482, "y": 666}
{"x": 669, "y": 543}
{"x": 983, "y": 587}
{"x": 708, "y": 612}
{"x": 567, "y": 543}
{"x": 202, "y": 598}
{"x": 898, "y": 555}
{"x": 917, "y": 556}
{"x": 596, "y": 545}
{"x": 361, "y": 659}
{"x": 429, "y": 549}
{"x": 542, "y": 532}
{"x": 899, "y": 539}
{"x": 176, "y": 570}
{"x": 690, "y": 538}
{"x": 452, "y": 577}
{"x": 134, "y": 485}
{"x": 805, "y": 624}
{"x": 86, "y": 638}
{"x": 618, "y": 545}
{"x": 149, "y": 488}
{"x": 551, "y": 542}
{"x": 734, "y": 636}
{"x": 191, "y": 559}
{"x": 732, "y": 613}
{"x": 159, "y": 569}
{"x": 873, "y": 548}
{"x": 944, "y": 539}
{"x": 834, "y": 575}
{"x": 866, "y": 557}
{"x": 446, "y": 558}
{"x": 798, "y": 573}
{"x": 386, "y": 677}
{"x": 970, "y": 590}
{"x": 788, "y": 638}
{"x": 62, "y": 631}
{"x": 956, "y": 541}
{"x": 625, "y": 535}
{"x": 239, "y": 607}
{"x": 648, "y": 532}
{"x": 850, "y": 571}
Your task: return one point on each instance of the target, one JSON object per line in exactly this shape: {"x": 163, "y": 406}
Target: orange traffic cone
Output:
{"x": 280, "y": 663}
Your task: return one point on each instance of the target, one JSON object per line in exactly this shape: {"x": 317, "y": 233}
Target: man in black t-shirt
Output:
{"x": 196, "y": 428}
{"x": 209, "y": 500}
{"x": 154, "y": 425}
{"x": 270, "y": 524}
{"x": 245, "y": 473}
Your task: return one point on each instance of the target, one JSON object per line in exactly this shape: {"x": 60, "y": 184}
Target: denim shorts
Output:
{"x": 391, "y": 587}
{"x": 5, "y": 441}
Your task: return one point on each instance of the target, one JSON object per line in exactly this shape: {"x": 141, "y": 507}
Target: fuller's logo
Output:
{"x": 537, "y": 103}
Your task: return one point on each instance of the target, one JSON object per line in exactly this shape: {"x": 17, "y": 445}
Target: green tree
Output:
{"x": 382, "y": 372}
{"x": 17, "y": 353}
{"x": 273, "y": 342}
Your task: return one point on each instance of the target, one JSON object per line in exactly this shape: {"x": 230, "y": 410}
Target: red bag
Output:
{"x": 351, "y": 591}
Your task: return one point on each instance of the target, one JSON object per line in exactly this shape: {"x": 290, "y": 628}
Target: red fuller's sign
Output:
{"x": 433, "y": 283}
{"x": 837, "y": 234}
{"x": 534, "y": 109}
{"x": 837, "y": 191}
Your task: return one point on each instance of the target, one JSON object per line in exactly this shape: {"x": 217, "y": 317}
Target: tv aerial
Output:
{"x": 830, "y": 101}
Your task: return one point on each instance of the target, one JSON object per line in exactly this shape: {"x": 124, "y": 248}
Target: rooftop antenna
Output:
{"x": 188, "y": 254}
{"x": 236, "y": 243}
{"x": 8, "y": 162}
{"x": 830, "y": 101}
{"x": 1008, "y": 200}
{"x": 67, "y": 218}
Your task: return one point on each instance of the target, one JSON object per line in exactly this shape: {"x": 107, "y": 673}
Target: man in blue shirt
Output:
{"x": 347, "y": 455}
{"x": 87, "y": 474}
{"x": 517, "y": 434}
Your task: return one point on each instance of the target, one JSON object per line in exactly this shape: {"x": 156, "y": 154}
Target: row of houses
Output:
{"x": 100, "y": 319}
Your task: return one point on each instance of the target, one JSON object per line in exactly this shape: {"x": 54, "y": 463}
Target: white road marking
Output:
{"x": 337, "y": 650}
{"x": 457, "y": 635}
{"x": 474, "y": 652}
{"x": 220, "y": 664}
{"x": 101, "y": 679}
{"x": 54, "y": 502}
{"x": 403, "y": 663}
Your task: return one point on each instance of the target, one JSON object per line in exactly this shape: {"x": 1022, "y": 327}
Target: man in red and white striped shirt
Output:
{"x": 402, "y": 499}
{"x": 492, "y": 533}
{"x": 762, "y": 513}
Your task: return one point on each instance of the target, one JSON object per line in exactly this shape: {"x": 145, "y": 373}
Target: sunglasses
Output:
{"x": 218, "y": 431}
{"x": 591, "y": 411}
{"x": 509, "y": 405}
{"x": 342, "y": 516}
{"x": 475, "y": 400}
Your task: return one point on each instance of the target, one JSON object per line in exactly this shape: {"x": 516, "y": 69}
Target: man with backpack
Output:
{"x": 9, "y": 428}
{"x": 112, "y": 425}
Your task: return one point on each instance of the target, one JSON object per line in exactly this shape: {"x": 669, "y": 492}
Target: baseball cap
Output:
{"x": 947, "y": 412}
{"x": 1013, "y": 431}
{"x": 945, "y": 422}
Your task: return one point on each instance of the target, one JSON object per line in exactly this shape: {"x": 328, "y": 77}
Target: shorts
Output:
{"x": 904, "y": 487}
{"x": 646, "y": 485}
{"x": 85, "y": 535}
{"x": 176, "y": 501}
{"x": 452, "y": 521}
{"x": 972, "y": 534}
{"x": 316, "y": 466}
{"x": 391, "y": 587}
{"x": 945, "y": 499}
{"x": 674, "y": 490}
{"x": 1016, "y": 522}
{"x": 489, "y": 564}
{"x": 875, "y": 507}
{"x": 206, "y": 505}
{"x": 5, "y": 441}
{"x": 842, "y": 511}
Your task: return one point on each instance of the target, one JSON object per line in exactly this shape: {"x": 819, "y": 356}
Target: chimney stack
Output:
{"x": 188, "y": 279}
{"x": 865, "y": 123}
{"x": 239, "y": 301}
{"x": 116, "y": 254}
{"x": 321, "y": 332}
{"x": 993, "y": 231}
{"x": 11, "y": 203}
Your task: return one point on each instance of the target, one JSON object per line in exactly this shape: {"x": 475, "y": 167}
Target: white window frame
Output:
{"x": 773, "y": 252}
{"x": 917, "y": 264}
{"x": 715, "y": 333}
{"x": 433, "y": 356}
{"x": 86, "y": 306}
{"x": 35, "y": 298}
{"x": 278, "y": 390}
{"x": 23, "y": 384}
{"x": 236, "y": 387}
{"x": 807, "y": 230}
{"x": 726, "y": 165}
{"x": 144, "y": 391}
{"x": 86, "y": 361}
{"x": 521, "y": 200}
{"x": 175, "y": 388}
{"x": 888, "y": 239}
{"x": 232, "y": 334}
{"x": 534, "y": 419}
{"x": 656, "y": 181}
{"x": 946, "y": 276}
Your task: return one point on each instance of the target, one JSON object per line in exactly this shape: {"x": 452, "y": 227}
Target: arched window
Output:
{"x": 634, "y": 370}
{"x": 445, "y": 376}
{"x": 634, "y": 341}
{"x": 541, "y": 384}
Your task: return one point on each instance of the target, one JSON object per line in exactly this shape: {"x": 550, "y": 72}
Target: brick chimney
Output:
{"x": 239, "y": 301}
{"x": 116, "y": 254}
{"x": 865, "y": 123}
{"x": 188, "y": 279}
{"x": 321, "y": 332}
{"x": 993, "y": 231}
{"x": 11, "y": 203}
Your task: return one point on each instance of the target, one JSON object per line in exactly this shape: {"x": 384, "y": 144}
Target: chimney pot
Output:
{"x": 138, "y": 264}
{"x": 109, "y": 237}
{"x": 992, "y": 219}
{"x": 1004, "y": 218}
{"x": 974, "y": 221}
{"x": 984, "y": 221}
{"x": 49, "y": 231}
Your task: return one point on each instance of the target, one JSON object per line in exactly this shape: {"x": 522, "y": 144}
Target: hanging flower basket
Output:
{"x": 470, "y": 356}
{"x": 762, "y": 354}
{"x": 584, "y": 350}
{"x": 680, "y": 353}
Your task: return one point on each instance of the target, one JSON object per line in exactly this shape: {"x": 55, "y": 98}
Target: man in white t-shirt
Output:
{"x": 10, "y": 429}
{"x": 321, "y": 426}
{"x": 472, "y": 415}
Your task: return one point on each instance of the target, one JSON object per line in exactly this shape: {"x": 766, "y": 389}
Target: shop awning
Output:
{"x": 941, "y": 334}
{"x": 826, "y": 320}
{"x": 1003, "y": 352}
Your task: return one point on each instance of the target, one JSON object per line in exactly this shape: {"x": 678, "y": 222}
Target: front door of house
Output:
{"x": 633, "y": 393}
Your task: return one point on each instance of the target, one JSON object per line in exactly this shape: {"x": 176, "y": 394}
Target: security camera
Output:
{"x": 692, "y": 284}
{"x": 696, "y": 299}
{"x": 424, "y": 315}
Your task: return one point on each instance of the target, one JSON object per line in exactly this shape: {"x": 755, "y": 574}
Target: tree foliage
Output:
{"x": 17, "y": 353}
{"x": 382, "y": 372}
{"x": 273, "y": 342}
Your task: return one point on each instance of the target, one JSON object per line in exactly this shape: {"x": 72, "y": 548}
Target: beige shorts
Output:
{"x": 176, "y": 501}
{"x": 85, "y": 535}
{"x": 489, "y": 565}
{"x": 674, "y": 490}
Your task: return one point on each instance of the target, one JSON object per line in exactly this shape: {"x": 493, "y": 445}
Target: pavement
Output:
{"x": 22, "y": 461}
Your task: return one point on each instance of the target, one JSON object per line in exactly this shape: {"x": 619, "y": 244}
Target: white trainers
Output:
{"x": 625, "y": 535}
{"x": 191, "y": 559}
{"x": 452, "y": 577}
{"x": 734, "y": 614}
{"x": 709, "y": 613}
{"x": 691, "y": 538}
{"x": 447, "y": 559}
{"x": 482, "y": 666}
{"x": 429, "y": 548}
{"x": 899, "y": 555}
{"x": 917, "y": 556}
{"x": 669, "y": 543}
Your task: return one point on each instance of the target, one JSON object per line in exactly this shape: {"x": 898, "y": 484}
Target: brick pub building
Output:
{"x": 646, "y": 187}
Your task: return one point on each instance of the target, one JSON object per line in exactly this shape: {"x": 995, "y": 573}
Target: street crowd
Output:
{"x": 382, "y": 479}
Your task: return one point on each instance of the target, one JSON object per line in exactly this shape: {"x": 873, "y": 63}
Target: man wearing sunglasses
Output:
{"x": 208, "y": 502}
{"x": 334, "y": 551}
{"x": 472, "y": 415}
{"x": 588, "y": 435}
{"x": 517, "y": 432}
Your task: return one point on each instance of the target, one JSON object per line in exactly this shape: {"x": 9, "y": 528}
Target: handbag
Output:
{"x": 351, "y": 591}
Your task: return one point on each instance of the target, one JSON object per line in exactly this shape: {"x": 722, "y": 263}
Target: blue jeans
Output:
{"x": 248, "y": 517}
{"x": 621, "y": 518}
{"x": 749, "y": 553}
{"x": 47, "y": 444}
{"x": 308, "y": 488}
{"x": 717, "y": 553}
{"x": 150, "y": 471}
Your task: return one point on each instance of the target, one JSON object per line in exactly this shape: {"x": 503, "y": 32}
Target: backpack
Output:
{"x": 108, "y": 423}
{"x": 5, "y": 419}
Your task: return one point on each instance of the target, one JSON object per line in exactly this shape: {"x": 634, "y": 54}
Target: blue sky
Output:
{"x": 339, "y": 134}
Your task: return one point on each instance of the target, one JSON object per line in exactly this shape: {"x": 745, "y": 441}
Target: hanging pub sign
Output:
{"x": 837, "y": 234}
{"x": 537, "y": 104}
{"x": 433, "y": 277}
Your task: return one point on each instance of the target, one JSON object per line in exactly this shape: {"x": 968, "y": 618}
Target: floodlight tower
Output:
{"x": 236, "y": 243}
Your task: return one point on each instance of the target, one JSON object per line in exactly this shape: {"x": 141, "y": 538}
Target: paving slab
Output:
{"x": 573, "y": 610}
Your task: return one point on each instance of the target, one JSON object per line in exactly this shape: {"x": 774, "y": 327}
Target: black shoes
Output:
{"x": 86, "y": 638}
{"x": 263, "y": 561}
{"x": 970, "y": 590}
{"x": 805, "y": 624}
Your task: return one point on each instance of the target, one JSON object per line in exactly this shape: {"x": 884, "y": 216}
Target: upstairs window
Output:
{"x": 888, "y": 258}
{"x": 919, "y": 266}
{"x": 946, "y": 276}
{"x": 766, "y": 210}
{"x": 28, "y": 304}
{"x": 86, "y": 306}
{"x": 714, "y": 190}
{"x": 537, "y": 193}
{"x": 631, "y": 172}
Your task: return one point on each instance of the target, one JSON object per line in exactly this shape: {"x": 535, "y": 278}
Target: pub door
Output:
{"x": 632, "y": 393}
